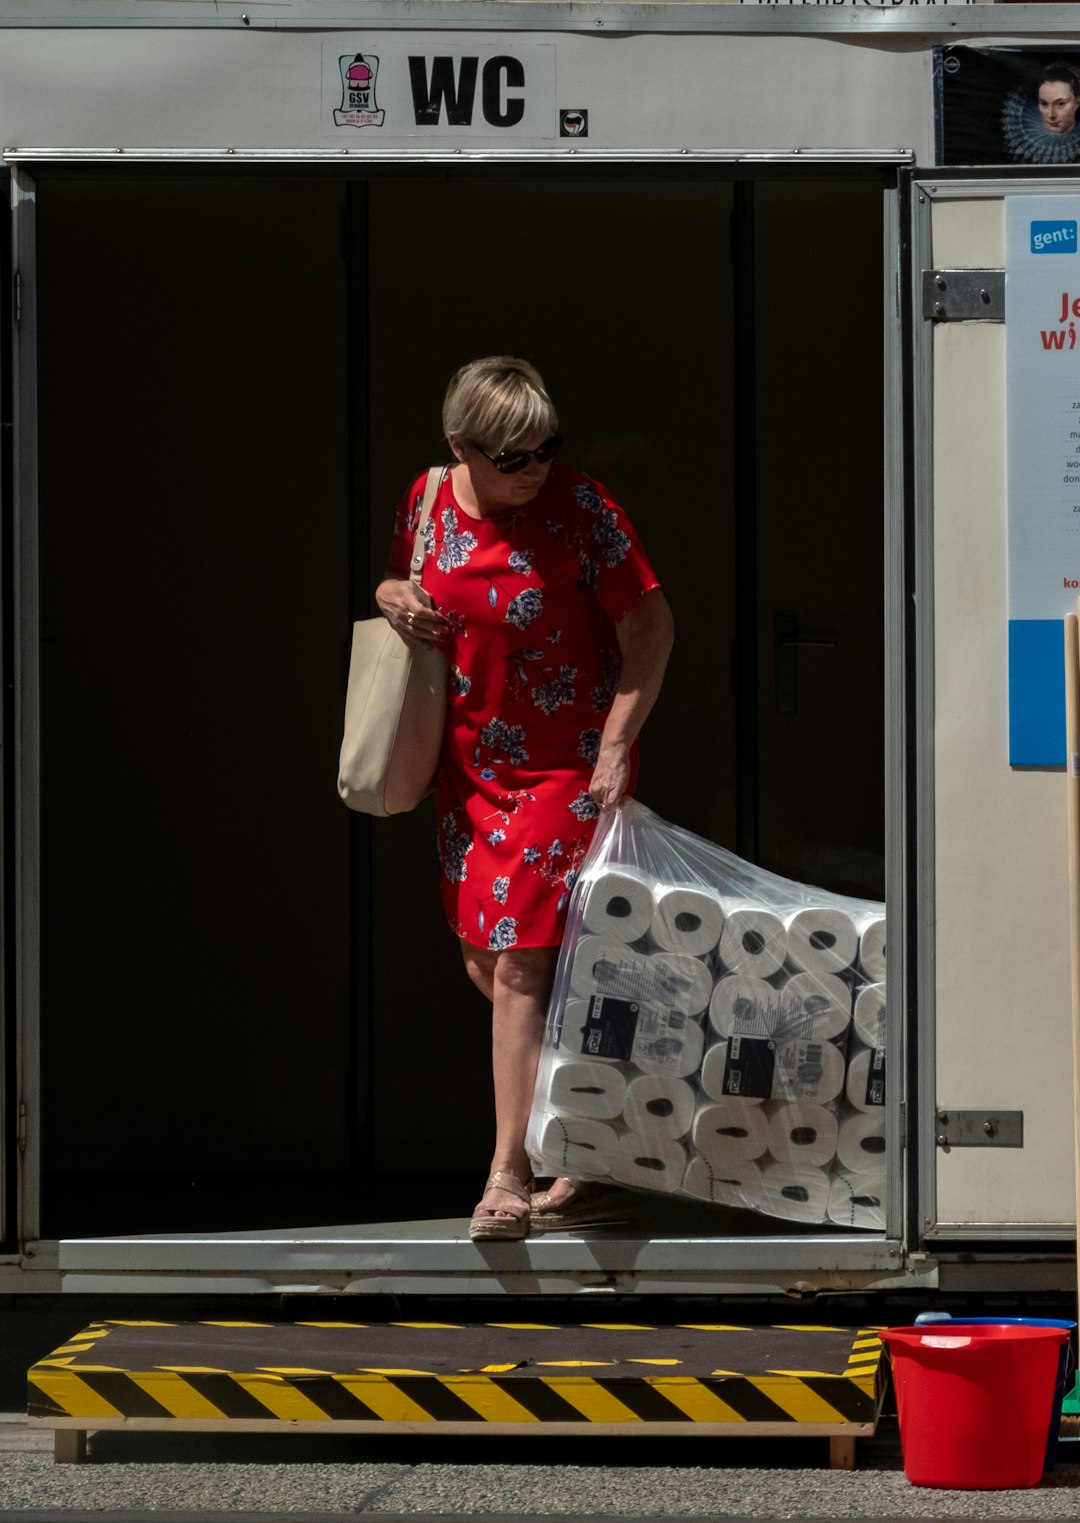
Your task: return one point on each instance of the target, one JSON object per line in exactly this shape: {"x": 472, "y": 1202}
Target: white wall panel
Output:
{"x": 114, "y": 88}
{"x": 1002, "y": 972}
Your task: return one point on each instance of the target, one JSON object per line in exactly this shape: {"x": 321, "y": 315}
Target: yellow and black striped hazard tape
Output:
{"x": 97, "y": 1376}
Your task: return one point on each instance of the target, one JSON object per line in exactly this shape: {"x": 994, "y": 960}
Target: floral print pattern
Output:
{"x": 588, "y": 746}
{"x": 457, "y": 545}
{"x": 552, "y": 695}
{"x": 525, "y": 608}
{"x": 525, "y": 716}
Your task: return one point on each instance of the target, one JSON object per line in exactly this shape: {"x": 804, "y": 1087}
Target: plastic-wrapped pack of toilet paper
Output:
{"x": 858, "y": 1200}
{"x": 865, "y": 1085}
{"x": 715, "y": 1032}
{"x": 659, "y": 1106}
{"x": 728, "y": 1133}
{"x": 868, "y": 1020}
{"x": 768, "y": 1068}
{"x": 619, "y": 903}
{"x": 810, "y": 1005}
{"x": 687, "y": 919}
{"x": 596, "y": 1091}
{"x": 872, "y": 947}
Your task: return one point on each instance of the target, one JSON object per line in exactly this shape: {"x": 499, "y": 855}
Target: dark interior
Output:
{"x": 253, "y": 1013}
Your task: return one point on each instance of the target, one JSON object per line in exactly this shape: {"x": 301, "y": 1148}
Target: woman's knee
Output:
{"x": 526, "y": 970}
{"x": 480, "y": 966}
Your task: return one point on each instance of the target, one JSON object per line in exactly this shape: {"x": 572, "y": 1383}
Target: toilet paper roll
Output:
{"x": 573, "y": 1030}
{"x": 796, "y": 1194}
{"x": 712, "y": 1076}
{"x": 577, "y": 1147}
{"x": 802, "y": 1135}
{"x": 729, "y": 1132}
{"x": 675, "y": 979}
{"x": 649, "y": 1162}
{"x": 753, "y": 940}
{"x": 869, "y": 1016}
{"x": 807, "y": 1070}
{"x": 858, "y": 1200}
{"x": 821, "y": 939}
{"x": 659, "y": 1107}
{"x": 872, "y": 946}
{"x": 596, "y": 1090}
{"x": 687, "y": 920}
{"x": 814, "y": 1005}
{"x": 860, "y": 1143}
{"x": 766, "y": 1068}
{"x": 668, "y": 1043}
{"x": 619, "y": 904}
{"x": 744, "y": 1005}
{"x": 865, "y": 1086}
{"x": 603, "y": 966}
{"x": 739, "y": 1186}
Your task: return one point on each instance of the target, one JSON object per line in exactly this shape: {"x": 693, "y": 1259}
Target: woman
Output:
{"x": 556, "y": 636}
{"x": 1059, "y": 98}
{"x": 1040, "y": 126}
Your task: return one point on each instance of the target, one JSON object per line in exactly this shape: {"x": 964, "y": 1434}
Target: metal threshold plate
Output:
{"x": 428, "y": 1257}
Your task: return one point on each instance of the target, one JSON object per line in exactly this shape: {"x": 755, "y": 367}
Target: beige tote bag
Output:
{"x": 395, "y": 708}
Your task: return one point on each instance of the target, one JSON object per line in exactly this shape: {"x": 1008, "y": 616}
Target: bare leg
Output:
{"x": 520, "y": 981}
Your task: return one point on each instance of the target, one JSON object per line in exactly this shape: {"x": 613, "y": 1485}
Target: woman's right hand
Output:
{"x": 410, "y": 612}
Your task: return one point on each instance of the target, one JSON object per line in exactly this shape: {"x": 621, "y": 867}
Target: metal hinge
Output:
{"x": 20, "y": 1130}
{"x": 979, "y": 1129}
{"x": 18, "y": 296}
{"x": 964, "y": 296}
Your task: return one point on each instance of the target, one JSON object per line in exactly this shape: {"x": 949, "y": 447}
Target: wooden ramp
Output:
{"x": 496, "y": 1377}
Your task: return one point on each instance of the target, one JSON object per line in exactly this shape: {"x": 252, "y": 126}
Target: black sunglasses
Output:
{"x": 510, "y": 461}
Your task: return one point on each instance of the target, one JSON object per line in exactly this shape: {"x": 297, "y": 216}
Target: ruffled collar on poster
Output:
{"x": 1026, "y": 137}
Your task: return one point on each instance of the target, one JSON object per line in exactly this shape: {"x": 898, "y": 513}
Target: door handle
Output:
{"x": 787, "y": 637}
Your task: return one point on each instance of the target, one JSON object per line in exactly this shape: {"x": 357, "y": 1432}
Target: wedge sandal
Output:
{"x": 516, "y": 1206}
{"x": 591, "y": 1205}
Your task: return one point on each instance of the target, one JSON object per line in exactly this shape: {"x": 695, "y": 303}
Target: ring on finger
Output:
{"x": 410, "y": 616}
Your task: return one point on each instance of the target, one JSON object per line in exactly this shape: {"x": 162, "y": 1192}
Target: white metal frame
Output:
{"x": 931, "y": 186}
{"x": 25, "y": 739}
{"x": 949, "y": 22}
{"x": 430, "y": 1263}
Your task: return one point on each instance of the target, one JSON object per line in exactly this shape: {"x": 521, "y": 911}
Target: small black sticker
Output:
{"x": 574, "y": 123}
{"x": 875, "y": 1078}
{"x": 750, "y": 1066}
{"x": 610, "y": 1028}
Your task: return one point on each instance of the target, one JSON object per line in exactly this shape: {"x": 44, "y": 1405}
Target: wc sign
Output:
{"x": 428, "y": 89}
{"x": 444, "y": 90}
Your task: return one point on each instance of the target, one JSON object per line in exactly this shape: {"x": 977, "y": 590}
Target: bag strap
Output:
{"x": 435, "y": 479}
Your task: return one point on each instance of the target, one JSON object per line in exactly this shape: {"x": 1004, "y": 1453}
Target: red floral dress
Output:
{"x": 532, "y": 597}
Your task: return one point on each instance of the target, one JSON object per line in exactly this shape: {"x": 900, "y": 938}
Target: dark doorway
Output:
{"x": 253, "y": 1013}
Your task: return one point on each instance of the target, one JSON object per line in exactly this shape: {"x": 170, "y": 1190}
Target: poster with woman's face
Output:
{"x": 1008, "y": 105}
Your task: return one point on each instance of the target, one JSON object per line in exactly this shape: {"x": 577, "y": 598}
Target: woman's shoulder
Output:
{"x": 418, "y": 483}
{"x": 578, "y": 491}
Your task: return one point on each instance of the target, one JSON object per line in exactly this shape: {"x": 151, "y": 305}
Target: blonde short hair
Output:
{"x": 498, "y": 403}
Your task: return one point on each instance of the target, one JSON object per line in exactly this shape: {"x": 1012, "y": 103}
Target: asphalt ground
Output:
{"x": 180, "y": 1478}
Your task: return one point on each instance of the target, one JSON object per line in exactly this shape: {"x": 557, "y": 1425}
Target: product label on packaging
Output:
{"x": 750, "y": 1066}
{"x": 610, "y": 1027}
{"x": 659, "y": 1039}
{"x": 875, "y": 1078}
{"x": 798, "y": 1070}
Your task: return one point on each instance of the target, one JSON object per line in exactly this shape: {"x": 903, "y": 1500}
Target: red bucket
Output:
{"x": 974, "y": 1402}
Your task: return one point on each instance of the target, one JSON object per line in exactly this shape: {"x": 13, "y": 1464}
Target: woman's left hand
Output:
{"x": 611, "y": 775}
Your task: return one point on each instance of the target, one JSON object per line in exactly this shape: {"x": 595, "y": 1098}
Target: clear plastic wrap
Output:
{"x": 715, "y": 1032}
